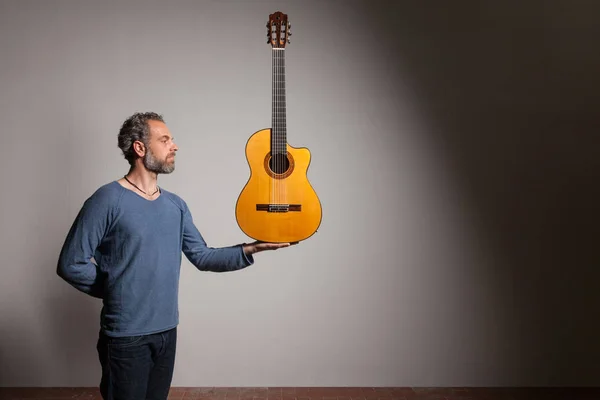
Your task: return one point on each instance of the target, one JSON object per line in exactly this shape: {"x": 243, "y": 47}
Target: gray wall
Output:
{"x": 454, "y": 152}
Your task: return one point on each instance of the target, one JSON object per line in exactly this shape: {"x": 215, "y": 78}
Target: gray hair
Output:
{"x": 135, "y": 128}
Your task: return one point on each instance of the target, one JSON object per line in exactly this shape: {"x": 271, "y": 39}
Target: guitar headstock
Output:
{"x": 278, "y": 30}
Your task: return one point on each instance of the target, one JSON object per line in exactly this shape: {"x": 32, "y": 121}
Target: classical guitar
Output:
{"x": 278, "y": 203}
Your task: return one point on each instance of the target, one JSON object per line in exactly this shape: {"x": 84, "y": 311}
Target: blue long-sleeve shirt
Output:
{"x": 137, "y": 245}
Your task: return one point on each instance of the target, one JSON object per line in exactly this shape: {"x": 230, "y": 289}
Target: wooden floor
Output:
{"x": 327, "y": 393}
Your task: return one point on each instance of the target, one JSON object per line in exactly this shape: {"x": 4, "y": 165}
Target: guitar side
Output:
{"x": 277, "y": 207}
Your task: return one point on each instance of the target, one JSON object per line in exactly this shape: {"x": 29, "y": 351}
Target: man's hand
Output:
{"x": 255, "y": 247}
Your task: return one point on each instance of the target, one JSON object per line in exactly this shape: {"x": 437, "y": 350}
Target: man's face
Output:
{"x": 160, "y": 154}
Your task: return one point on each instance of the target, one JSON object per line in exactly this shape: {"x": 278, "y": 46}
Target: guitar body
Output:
{"x": 278, "y": 203}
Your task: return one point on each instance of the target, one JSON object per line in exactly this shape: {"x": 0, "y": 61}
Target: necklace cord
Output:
{"x": 134, "y": 185}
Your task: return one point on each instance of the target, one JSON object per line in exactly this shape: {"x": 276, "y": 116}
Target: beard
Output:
{"x": 158, "y": 166}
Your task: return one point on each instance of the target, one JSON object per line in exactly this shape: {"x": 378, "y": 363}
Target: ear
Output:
{"x": 139, "y": 148}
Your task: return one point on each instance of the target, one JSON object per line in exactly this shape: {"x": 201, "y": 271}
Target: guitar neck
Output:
{"x": 278, "y": 122}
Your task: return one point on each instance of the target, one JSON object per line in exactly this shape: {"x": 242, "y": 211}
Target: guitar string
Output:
{"x": 278, "y": 112}
{"x": 280, "y": 116}
{"x": 274, "y": 147}
{"x": 276, "y": 159}
{"x": 281, "y": 134}
{"x": 279, "y": 125}
{"x": 284, "y": 144}
{"x": 283, "y": 125}
{"x": 272, "y": 116}
{"x": 273, "y": 122}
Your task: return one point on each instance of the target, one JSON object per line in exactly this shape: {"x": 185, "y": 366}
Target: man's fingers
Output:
{"x": 272, "y": 246}
{"x": 278, "y": 245}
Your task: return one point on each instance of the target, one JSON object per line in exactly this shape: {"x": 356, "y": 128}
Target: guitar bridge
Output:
{"x": 278, "y": 208}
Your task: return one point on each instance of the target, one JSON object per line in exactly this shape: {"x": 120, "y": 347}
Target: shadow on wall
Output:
{"x": 511, "y": 91}
{"x": 75, "y": 319}
{"x": 64, "y": 345}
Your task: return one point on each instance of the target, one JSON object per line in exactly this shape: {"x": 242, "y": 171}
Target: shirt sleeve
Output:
{"x": 75, "y": 264}
{"x": 221, "y": 259}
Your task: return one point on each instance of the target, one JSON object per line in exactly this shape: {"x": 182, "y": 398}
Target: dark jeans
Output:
{"x": 137, "y": 367}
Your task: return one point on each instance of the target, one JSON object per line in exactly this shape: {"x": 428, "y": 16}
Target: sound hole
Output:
{"x": 279, "y": 163}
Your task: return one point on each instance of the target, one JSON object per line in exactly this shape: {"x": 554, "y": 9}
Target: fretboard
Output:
{"x": 278, "y": 126}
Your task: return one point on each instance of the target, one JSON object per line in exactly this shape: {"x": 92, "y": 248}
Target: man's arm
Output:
{"x": 212, "y": 259}
{"x": 221, "y": 259}
{"x": 74, "y": 262}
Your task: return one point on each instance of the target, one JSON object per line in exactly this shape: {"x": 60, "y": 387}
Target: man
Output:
{"x": 136, "y": 232}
